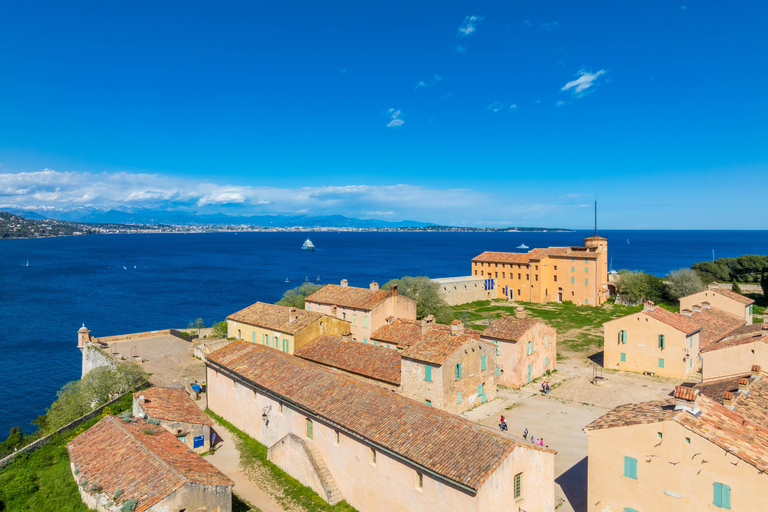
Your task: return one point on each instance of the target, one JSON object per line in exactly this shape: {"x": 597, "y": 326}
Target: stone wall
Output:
{"x": 94, "y": 357}
{"x": 461, "y": 290}
{"x": 294, "y": 456}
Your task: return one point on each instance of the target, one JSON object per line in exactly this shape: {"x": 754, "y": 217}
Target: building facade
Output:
{"x": 177, "y": 413}
{"x": 281, "y": 327}
{"x": 722, "y": 299}
{"x": 338, "y": 435}
{"x": 741, "y": 348}
{"x": 366, "y": 309}
{"x": 465, "y": 289}
{"x": 526, "y": 348}
{"x": 554, "y": 274}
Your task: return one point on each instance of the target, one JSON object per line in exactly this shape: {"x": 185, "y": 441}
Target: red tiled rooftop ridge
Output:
{"x": 172, "y": 405}
{"x": 402, "y": 332}
{"x": 144, "y": 460}
{"x": 715, "y": 324}
{"x": 535, "y": 254}
{"x": 714, "y": 287}
{"x": 363, "y": 359}
{"x": 682, "y": 323}
{"x": 446, "y": 444}
{"x": 275, "y": 317}
{"x": 349, "y": 296}
{"x": 436, "y": 345}
{"x": 509, "y": 328}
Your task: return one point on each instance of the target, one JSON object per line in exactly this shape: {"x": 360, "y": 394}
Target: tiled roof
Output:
{"x": 752, "y": 405}
{"x": 370, "y": 361}
{"x": 274, "y": 317}
{"x": 145, "y": 461}
{"x": 402, "y": 332}
{"x": 740, "y": 336}
{"x": 449, "y": 445}
{"x": 535, "y": 254}
{"x": 732, "y": 295}
{"x": 680, "y": 322}
{"x": 172, "y": 405}
{"x": 437, "y": 345}
{"x": 349, "y": 296}
{"x": 509, "y": 328}
{"x": 715, "y": 324}
{"x": 685, "y": 393}
{"x": 730, "y": 430}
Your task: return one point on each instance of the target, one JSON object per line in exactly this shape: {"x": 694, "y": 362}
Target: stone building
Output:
{"x": 451, "y": 370}
{"x": 116, "y": 461}
{"x": 398, "y": 333}
{"x": 369, "y": 363}
{"x": 739, "y": 349}
{"x": 689, "y": 453}
{"x": 177, "y": 413}
{"x": 554, "y": 274}
{"x": 722, "y": 299}
{"x": 378, "y": 450}
{"x": 525, "y": 348}
{"x": 366, "y": 309}
{"x": 281, "y": 327}
{"x": 465, "y": 289}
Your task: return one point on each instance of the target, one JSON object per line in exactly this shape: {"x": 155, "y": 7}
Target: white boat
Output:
{"x": 25, "y": 264}
{"x": 308, "y": 245}
{"x": 522, "y": 246}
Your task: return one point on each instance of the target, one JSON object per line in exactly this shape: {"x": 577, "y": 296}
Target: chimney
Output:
{"x": 389, "y": 319}
{"x": 728, "y": 400}
{"x": 142, "y": 399}
{"x": 293, "y": 315}
{"x": 755, "y": 371}
{"x": 347, "y": 336}
{"x": 344, "y": 283}
{"x": 457, "y": 327}
{"x": 83, "y": 336}
{"x": 394, "y": 290}
{"x": 520, "y": 312}
{"x": 687, "y": 399}
{"x": 648, "y": 305}
{"x": 427, "y": 323}
{"x": 705, "y": 305}
{"x": 686, "y": 312}
{"x": 743, "y": 385}
{"x": 375, "y": 286}
{"x": 696, "y": 308}
{"x": 714, "y": 286}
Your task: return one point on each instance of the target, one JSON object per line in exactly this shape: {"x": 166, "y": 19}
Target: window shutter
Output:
{"x": 718, "y": 495}
{"x": 427, "y": 373}
{"x": 458, "y": 397}
{"x": 482, "y": 363}
{"x": 726, "y": 496}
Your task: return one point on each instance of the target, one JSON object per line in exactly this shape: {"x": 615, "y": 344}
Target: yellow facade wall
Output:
{"x": 734, "y": 361}
{"x": 283, "y": 341}
{"x": 718, "y": 301}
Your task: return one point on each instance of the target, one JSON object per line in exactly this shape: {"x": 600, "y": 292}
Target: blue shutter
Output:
{"x": 722, "y": 496}
{"x": 546, "y": 362}
{"x": 427, "y": 373}
{"x": 498, "y": 371}
{"x": 661, "y": 363}
{"x": 623, "y": 357}
{"x": 458, "y": 397}
{"x": 254, "y": 337}
{"x": 630, "y": 468}
{"x": 482, "y": 363}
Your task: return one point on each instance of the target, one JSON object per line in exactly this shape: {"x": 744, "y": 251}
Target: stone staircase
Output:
{"x": 332, "y": 492}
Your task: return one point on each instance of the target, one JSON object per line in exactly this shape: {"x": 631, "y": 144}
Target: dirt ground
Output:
{"x": 168, "y": 359}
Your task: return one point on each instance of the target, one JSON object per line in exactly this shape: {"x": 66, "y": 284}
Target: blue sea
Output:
{"x": 128, "y": 283}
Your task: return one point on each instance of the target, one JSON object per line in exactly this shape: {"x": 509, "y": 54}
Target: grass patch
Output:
{"x": 240, "y": 505}
{"x": 294, "y": 492}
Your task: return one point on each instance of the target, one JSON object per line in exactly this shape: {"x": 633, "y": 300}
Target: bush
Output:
{"x": 219, "y": 330}
{"x": 17, "y": 484}
{"x": 640, "y": 287}
{"x": 295, "y": 297}
{"x": 736, "y": 288}
{"x": 426, "y": 293}
{"x": 684, "y": 282}
{"x": 130, "y": 505}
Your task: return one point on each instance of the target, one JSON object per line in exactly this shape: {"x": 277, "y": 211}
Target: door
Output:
{"x": 559, "y": 295}
{"x": 529, "y": 373}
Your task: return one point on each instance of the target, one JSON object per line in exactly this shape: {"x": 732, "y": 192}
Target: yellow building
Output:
{"x": 720, "y": 298}
{"x": 281, "y": 327}
{"x": 554, "y": 274}
{"x": 690, "y": 453}
{"x": 741, "y": 348}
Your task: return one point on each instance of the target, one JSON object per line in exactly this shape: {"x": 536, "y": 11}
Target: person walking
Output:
{"x": 525, "y": 434}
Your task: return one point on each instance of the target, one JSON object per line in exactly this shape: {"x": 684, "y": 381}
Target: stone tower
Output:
{"x": 599, "y": 245}
{"x": 83, "y": 336}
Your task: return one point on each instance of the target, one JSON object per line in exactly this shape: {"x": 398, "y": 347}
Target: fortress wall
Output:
{"x": 93, "y": 358}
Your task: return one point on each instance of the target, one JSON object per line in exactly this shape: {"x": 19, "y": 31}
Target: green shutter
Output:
{"x": 498, "y": 348}
{"x": 722, "y": 496}
{"x": 529, "y": 373}
{"x": 365, "y": 340}
{"x": 630, "y": 468}
{"x": 627, "y": 509}
{"x": 480, "y": 389}
{"x": 263, "y": 339}
{"x": 572, "y": 279}
{"x": 546, "y": 362}
{"x": 310, "y": 429}
{"x": 586, "y": 281}
{"x": 458, "y": 397}
{"x": 427, "y": 373}
{"x": 498, "y": 371}
{"x": 482, "y": 363}
{"x": 623, "y": 357}
{"x": 428, "y": 402}
{"x": 661, "y": 363}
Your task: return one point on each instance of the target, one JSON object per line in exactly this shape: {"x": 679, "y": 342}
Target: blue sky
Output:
{"x": 463, "y": 113}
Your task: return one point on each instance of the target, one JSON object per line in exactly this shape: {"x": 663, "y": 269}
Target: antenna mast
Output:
{"x": 595, "y": 218}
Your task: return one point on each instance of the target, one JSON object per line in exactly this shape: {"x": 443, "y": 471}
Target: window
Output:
{"x": 354, "y": 320}
{"x": 475, "y": 272}
{"x": 546, "y": 362}
{"x": 428, "y": 402}
{"x": 365, "y": 340}
{"x": 627, "y": 509}
{"x": 722, "y": 496}
{"x": 263, "y": 339}
{"x": 555, "y": 267}
{"x": 623, "y": 357}
{"x": 254, "y": 336}
{"x": 555, "y": 278}
{"x": 365, "y": 322}
{"x": 427, "y": 373}
{"x": 659, "y": 435}
{"x": 572, "y": 268}
{"x": 503, "y": 275}
{"x": 623, "y": 336}
{"x": 496, "y": 274}
{"x": 687, "y": 440}
{"x": 309, "y": 308}
{"x": 518, "y": 276}
{"x": 661, "y": 362}
{"x": 481, "y": 273}
{"x": 480, "y": 389}
{"x": 586, "y": 281}
{"x": 388, "y": 346}
{"x": 572, "y": 280}
{"x": 536, "y": 277}
{"x": 310, "y": 429}
{"x": 482, "y": 363}
{"x": 239, "y": 334}
{"x": 518, "y": 486}
{"x": 661, "y": 341}
{"x": 537, "y": 267}
{"x": 419, "y": 481}
{"x": 344, "y": 316}
{"x": 498, "y": 348}
{"x": 373, "y": 456}
{"x": 498, "y": 371}
{"x": 457, "y": 372}
{"x": 527, "y": 277}
{"x": 255, "y": 396}
{"x": 630, "y": 468}
{"x": 337, "y": 438}
{"x": 546, "y": 341}
{"x": 458, "y": 397}
{"x": 586, "y": 269}
{"x": 279, "y": 407}
{"x": 586, "y": 301}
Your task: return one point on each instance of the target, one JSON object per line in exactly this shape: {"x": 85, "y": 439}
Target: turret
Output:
{"x": 83, "y": 336}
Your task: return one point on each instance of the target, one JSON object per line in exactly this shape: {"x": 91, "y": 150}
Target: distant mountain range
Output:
{"x": 154, "y": 217}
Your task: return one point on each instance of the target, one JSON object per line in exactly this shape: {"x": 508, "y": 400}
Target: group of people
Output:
{"x": 545, "y": 387}
{"x": 503, "y": 427}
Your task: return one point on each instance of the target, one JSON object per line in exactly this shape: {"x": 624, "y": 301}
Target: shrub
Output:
{"x": 130, "y": 505}
{"x": 117, "y": 494}
{"x": 17, "y": 484}
{"x": 736, "y": 288}
{"x": 153, "y": 421}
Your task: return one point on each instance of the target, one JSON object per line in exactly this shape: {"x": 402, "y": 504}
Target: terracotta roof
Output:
{"x": 449, "y": 445}
{"x": 277, "y": 318}
{"x": 535, "y": 254}
{"x": 732, "y": 295}
{"x": 685, "y": 393}
{"x": 730, "y": 430}
{"x": 349, "y": 296}
{"x": 368, "y": 360}
{"x": 752, "y": 405}
{"x": 437, "y": 345}
{"x": 715, "y": 324}
{"x": 682, "y": 323}
{"x": 740, "y": 336}
{"x": 402, "y": 332}
{"x": 172, "y": 405}
{"x": 144, "y": 460}
{"x": 509, "y": 328}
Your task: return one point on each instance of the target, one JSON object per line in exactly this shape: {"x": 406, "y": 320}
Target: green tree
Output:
{"x": 13, "y": 441}
{"x": 764, "y": 283}
{"x": 426, "y": 293}
{"x": 683, "y": 282}
{"x": 196, "y": 324}
{"x": 220, "y": 330}
{"x": 639, "y": 286}
{"x": 295, "y": 296}
{"x": 736, "y": 288}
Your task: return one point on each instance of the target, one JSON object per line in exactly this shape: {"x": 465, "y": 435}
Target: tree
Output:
{"x": 220, "y": 330}
{"x": 196, "y": 324}
{"x": 764, "y": 283}
{"x": 13, "y": 441}
{"x": 639, "y": 287}
{"x": 736, "y": 288}
{"x": 295, "y": 296}
{"x": 683, "y": 282}
{"x": 426, "y": 293}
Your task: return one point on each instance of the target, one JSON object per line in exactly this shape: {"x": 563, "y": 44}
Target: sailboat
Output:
{"x": 610, "y": 270}
{"x": 25, "y": 264}
{"x": 318, "y": 277}
{"x": 287, "y": 280}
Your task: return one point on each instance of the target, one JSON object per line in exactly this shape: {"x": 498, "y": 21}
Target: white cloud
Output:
{"x": 560, "y": 103}
{"x": 527, "y": 22}
{"x": 448, "y": 95}
{"x": 395, "y": 121}
{"x": 682, "y": 8}
{"x": 550, "y": 26}
{"x": 460, "y": 49}
{"x": 500, "y": 107}
{"x": 584, "y": 82}
{"x": 470, "y": 25}
{"x": 512, "y": 107}
{"x": 429, "y": 83}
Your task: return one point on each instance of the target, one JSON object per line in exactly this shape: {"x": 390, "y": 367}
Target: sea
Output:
{"x": 118, "y": 284}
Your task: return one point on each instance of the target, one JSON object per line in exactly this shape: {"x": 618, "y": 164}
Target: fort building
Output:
{"x": 553, "y": 274}
{"x": 337, "y": 435}
{"x": 688, "y": 453}
{"x": 117, "y": 461}
{"x": 177, "y": 413}
{"x": 366, "y": 309}
{"x": 464, "y": 289}
{"x": 526, "y": 348}
{"x": 281, "y": 327}
{"x": 722, "y": 299}
{"x": 741, "y": 348}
